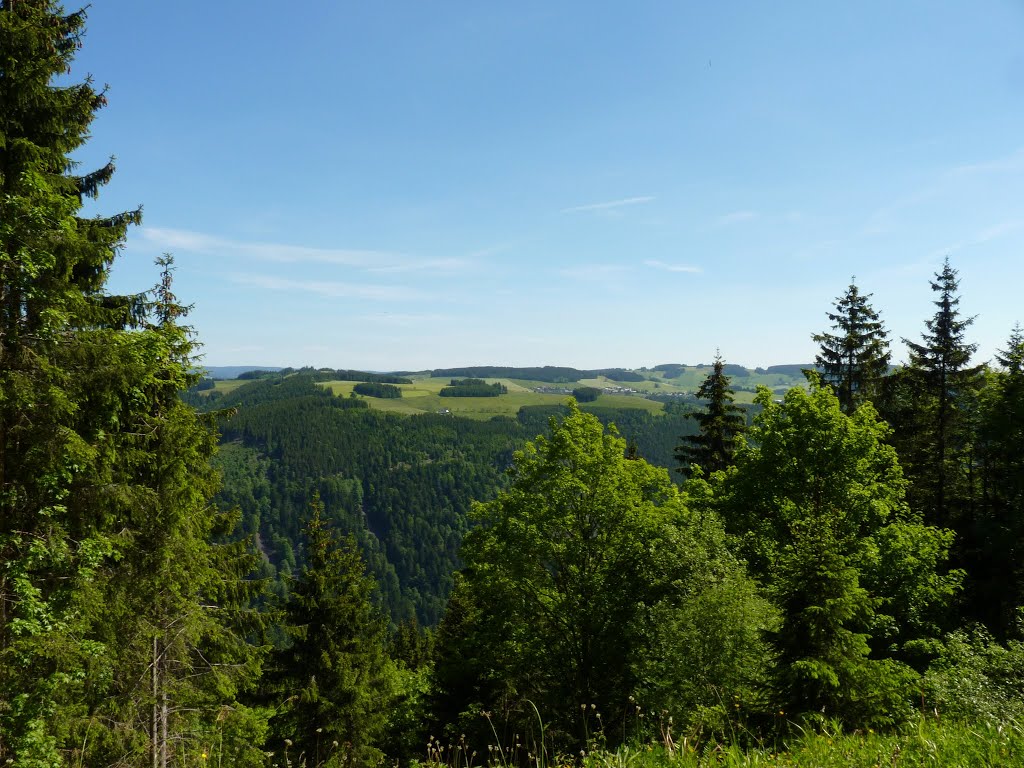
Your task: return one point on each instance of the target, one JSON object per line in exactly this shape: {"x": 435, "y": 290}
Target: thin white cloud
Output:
{"x": 594, "y": 271}
{"x": 399, "y": 320}
{"x": 329, "y": 288}
{"x": 883, "y": 219}
{"x": 655, "y": 264}
{"x": 735, "y": 217}
{"x": 978, "y": 238}
{"x": 1012, "y": 162}
{"x": 609, "y": 205}
{"x": 197, "y": 242}
{"x": 369, "y": 260}
{"x": 944, "y": 182}
{"x": 439, "y": 265}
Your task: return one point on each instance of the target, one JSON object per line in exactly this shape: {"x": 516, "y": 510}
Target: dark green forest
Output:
{"x": 280, "y": 576}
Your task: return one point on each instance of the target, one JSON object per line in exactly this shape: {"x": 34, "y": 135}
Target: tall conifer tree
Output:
{"x": 104, "y": 476}
{"x": 945, "y": 383}
{"x": 855, "y": 357}
{"x": 996, "y": 557}
{"x": 721, "y": 425}
{"x": 52, "y": 267}
{"x": 334, "y": 681}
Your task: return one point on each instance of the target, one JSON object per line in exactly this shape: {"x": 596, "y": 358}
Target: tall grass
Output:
{"x": 929, "y": 742}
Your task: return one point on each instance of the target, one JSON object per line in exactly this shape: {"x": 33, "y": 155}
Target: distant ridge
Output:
{"x": 233, "y": 371}
{"x": 548, "y": 373}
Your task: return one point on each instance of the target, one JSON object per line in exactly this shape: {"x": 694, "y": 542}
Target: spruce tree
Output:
{"x": 721, "y": 425}
{"x": 945, "y": 383}
{"x": 855, "y": 357}
{"x": 334, "y": 681}
{"x": 104, "y": 476}
{"x": 54, "y": 539}
{"x": 996, "y": 557}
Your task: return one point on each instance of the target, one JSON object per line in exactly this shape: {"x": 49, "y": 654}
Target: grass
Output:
{"x": 929, "y": 743}
{"x": 423, "y": 396}
{"x": 228, "y": 385}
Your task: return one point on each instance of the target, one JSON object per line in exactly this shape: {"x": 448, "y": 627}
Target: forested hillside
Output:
{"x": 403, "y": 485}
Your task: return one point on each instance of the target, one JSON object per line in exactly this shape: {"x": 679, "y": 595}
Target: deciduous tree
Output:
{"x": 816, "y": 506}
{"x": 580, "y": 578}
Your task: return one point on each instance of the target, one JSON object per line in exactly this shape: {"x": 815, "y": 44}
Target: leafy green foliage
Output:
{"x": 585, "y": 563}
{"x": 974, "y": 678}
{"x": 816, "y": 505}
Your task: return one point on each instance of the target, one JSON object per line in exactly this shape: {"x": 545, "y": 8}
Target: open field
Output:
{"x": 228, "y": 385}
{"x": 422, "y": 396}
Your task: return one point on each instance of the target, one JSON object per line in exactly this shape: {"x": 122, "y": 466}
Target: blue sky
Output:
{"x": 405, "y": 185}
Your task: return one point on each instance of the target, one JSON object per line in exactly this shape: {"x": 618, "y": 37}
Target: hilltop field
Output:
{"x": 654, "y": 387}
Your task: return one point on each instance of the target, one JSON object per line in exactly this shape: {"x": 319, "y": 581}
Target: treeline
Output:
{"x": 329, "y": 374}
{"x": 547, "y": 373}
{"x": 473, "y": 388}
{"x": 375, "y": 378}
{"x": 376, "y": 389}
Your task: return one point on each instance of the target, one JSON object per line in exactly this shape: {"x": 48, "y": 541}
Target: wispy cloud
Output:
{"x": 978, "y": 238}
{"x": 654, "y": 264}
{"x": 329, "y": 288}
{"x": 882, "y": 220}
{"x": 1012, "y": 162}
{"x": 369, "y": 260}
{"x": 611, "y": 204}
{"x": 197, "y": 242}
{"x": 943, "y": 184}
{"x": 439, "y": 265}
{"x": 594, "y": 271}
{"x": 735, "y": 217}
{"x": 399, "y": 320}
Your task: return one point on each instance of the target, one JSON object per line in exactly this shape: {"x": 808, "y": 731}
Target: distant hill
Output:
{"x": 232, "y": 371}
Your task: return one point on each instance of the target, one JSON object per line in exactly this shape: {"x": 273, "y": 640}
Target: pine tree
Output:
{"x": 334, "y": 681}
{"x": 939, "y": 444}
{"x": 721, "y": 425}
{"x": 854, "y": 358}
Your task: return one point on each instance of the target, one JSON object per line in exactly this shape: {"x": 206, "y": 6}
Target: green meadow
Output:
{"x": 423, "y": 396}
